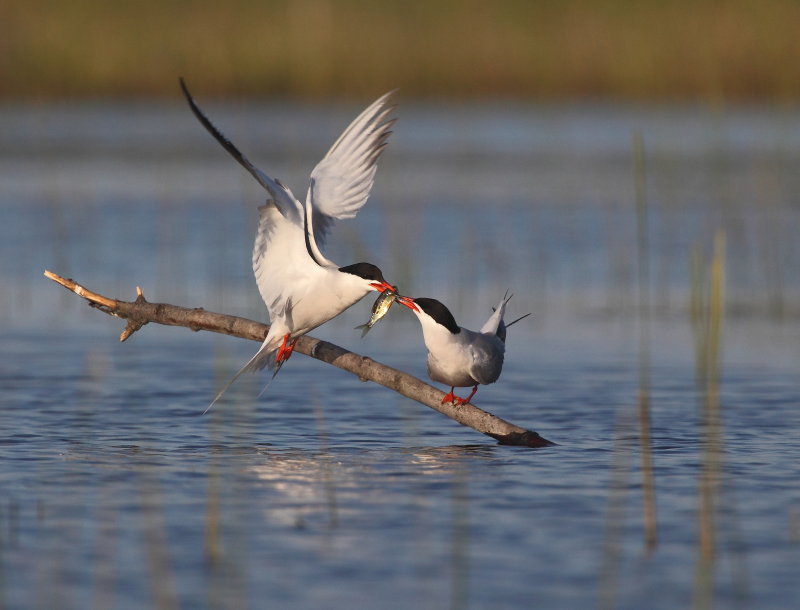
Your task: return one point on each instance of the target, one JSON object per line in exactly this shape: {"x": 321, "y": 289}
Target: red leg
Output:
{"x": 456, "y": 400}
{"x": 284, "y": 351}
{"x": 468, "y": 398}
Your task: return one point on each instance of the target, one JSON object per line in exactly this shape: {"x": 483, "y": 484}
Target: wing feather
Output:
{"x": 487, "y": 359}
{"x": 284, "y": 199}
{"x": 340, "y": 184}
{"x": 280, "y": 259}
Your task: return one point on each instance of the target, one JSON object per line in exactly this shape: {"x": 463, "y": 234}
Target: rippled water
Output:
{"x": 116, "y": 492}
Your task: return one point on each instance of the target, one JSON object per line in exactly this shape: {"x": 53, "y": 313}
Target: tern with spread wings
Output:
{"x": 301, "y": 288}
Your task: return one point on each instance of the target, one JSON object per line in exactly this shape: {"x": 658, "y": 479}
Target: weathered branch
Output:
{"x": 140, "y": 312}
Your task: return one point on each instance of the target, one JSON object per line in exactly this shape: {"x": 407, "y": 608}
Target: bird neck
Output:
{"x": 349, "y": 286}
{"x": 434, "y": 333}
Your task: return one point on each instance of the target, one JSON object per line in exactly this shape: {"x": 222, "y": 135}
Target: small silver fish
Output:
{"x": 379, "y": 309}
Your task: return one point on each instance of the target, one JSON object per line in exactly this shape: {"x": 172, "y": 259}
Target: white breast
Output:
{"x": 463, "y": 359}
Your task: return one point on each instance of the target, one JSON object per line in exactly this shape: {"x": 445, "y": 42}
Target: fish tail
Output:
{"x": 364, "y": 329}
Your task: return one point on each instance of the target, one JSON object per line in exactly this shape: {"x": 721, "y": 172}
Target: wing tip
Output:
{"x": 389, "y": 94}
{"x": 188, "y": 96}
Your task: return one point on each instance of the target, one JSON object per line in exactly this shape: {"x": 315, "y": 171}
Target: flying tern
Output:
{"x": 301, "y": 288}
{"x": 457, "y": 356}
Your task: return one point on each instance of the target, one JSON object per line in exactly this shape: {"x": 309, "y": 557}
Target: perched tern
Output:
{"x": 457, "y": 356}
{"x": 301, "y": 288}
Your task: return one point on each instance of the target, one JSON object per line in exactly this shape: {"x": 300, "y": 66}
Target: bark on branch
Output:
{"x": 140, "y": 311}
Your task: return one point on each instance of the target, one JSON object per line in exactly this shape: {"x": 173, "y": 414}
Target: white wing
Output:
{"x": 341, "y": 182}
{"x": 281, "y": 262}
{"x": 287, "y": 203}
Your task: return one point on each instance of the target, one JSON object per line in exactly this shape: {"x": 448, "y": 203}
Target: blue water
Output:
{"x": 116, "y": 492}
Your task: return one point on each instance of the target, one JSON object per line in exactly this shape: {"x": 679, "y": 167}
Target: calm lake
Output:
{"x": 116, "y": 492}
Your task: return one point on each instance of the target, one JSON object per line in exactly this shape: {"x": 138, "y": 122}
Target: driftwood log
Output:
{"x": 140, "y": 312}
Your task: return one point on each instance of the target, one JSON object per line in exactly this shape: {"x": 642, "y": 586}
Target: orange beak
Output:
{"x": 408, "y": 302}
{"x": 381, "y": 286}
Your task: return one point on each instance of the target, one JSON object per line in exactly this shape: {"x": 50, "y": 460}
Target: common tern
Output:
{"x": 301, "y": 288}
{"x": 457, "y": 356}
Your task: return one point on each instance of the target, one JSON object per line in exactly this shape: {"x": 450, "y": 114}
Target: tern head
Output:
{"x": 433, "y": 310}
{"x": 371, "y": 274}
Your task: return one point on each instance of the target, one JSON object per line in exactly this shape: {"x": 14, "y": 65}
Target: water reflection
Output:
{"x": 326, "y": 487}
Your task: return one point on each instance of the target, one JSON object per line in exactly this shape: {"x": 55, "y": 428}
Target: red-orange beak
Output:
{"x": 381, "y": 286}
{"x": 408, "y": 302}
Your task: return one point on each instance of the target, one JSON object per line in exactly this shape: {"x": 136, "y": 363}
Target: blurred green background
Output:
{"x": 701, "y": 50}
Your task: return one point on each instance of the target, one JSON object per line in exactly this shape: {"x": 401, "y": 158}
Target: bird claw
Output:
{"x": 285, "y": 350}
{"x": 457, "y": 400}
{"x": 453, "y": 399}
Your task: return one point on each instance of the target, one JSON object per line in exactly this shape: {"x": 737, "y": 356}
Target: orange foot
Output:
{"x": 450, "y": 397}
{"x": 285, "y": 350}
{"x": 456, "y": 400}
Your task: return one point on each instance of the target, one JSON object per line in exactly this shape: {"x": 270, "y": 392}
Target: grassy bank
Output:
{"x": 609, "y": 49}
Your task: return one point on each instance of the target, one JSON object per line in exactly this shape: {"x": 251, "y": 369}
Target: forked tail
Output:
{"x": 497, "y": 316}
{"x": 264, "y": 357}
{"x": 275, "y": 367}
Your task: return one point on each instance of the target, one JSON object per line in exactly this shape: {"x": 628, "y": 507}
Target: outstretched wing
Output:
{"x": 341, "y": 182}
{"x": 287, "y": 203}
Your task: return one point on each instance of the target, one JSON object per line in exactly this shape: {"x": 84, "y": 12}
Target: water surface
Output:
{"x": 117, "y": 492}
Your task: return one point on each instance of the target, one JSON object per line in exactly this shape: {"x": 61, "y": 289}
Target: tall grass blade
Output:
{"x": 707, "y": 312}
{"x": 643, "y": 401}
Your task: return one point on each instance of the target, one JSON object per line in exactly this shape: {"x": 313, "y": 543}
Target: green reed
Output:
{"x": 317, "y": 48}
{"x": 707, "y": 307}
{"x": 643, "y": 399}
